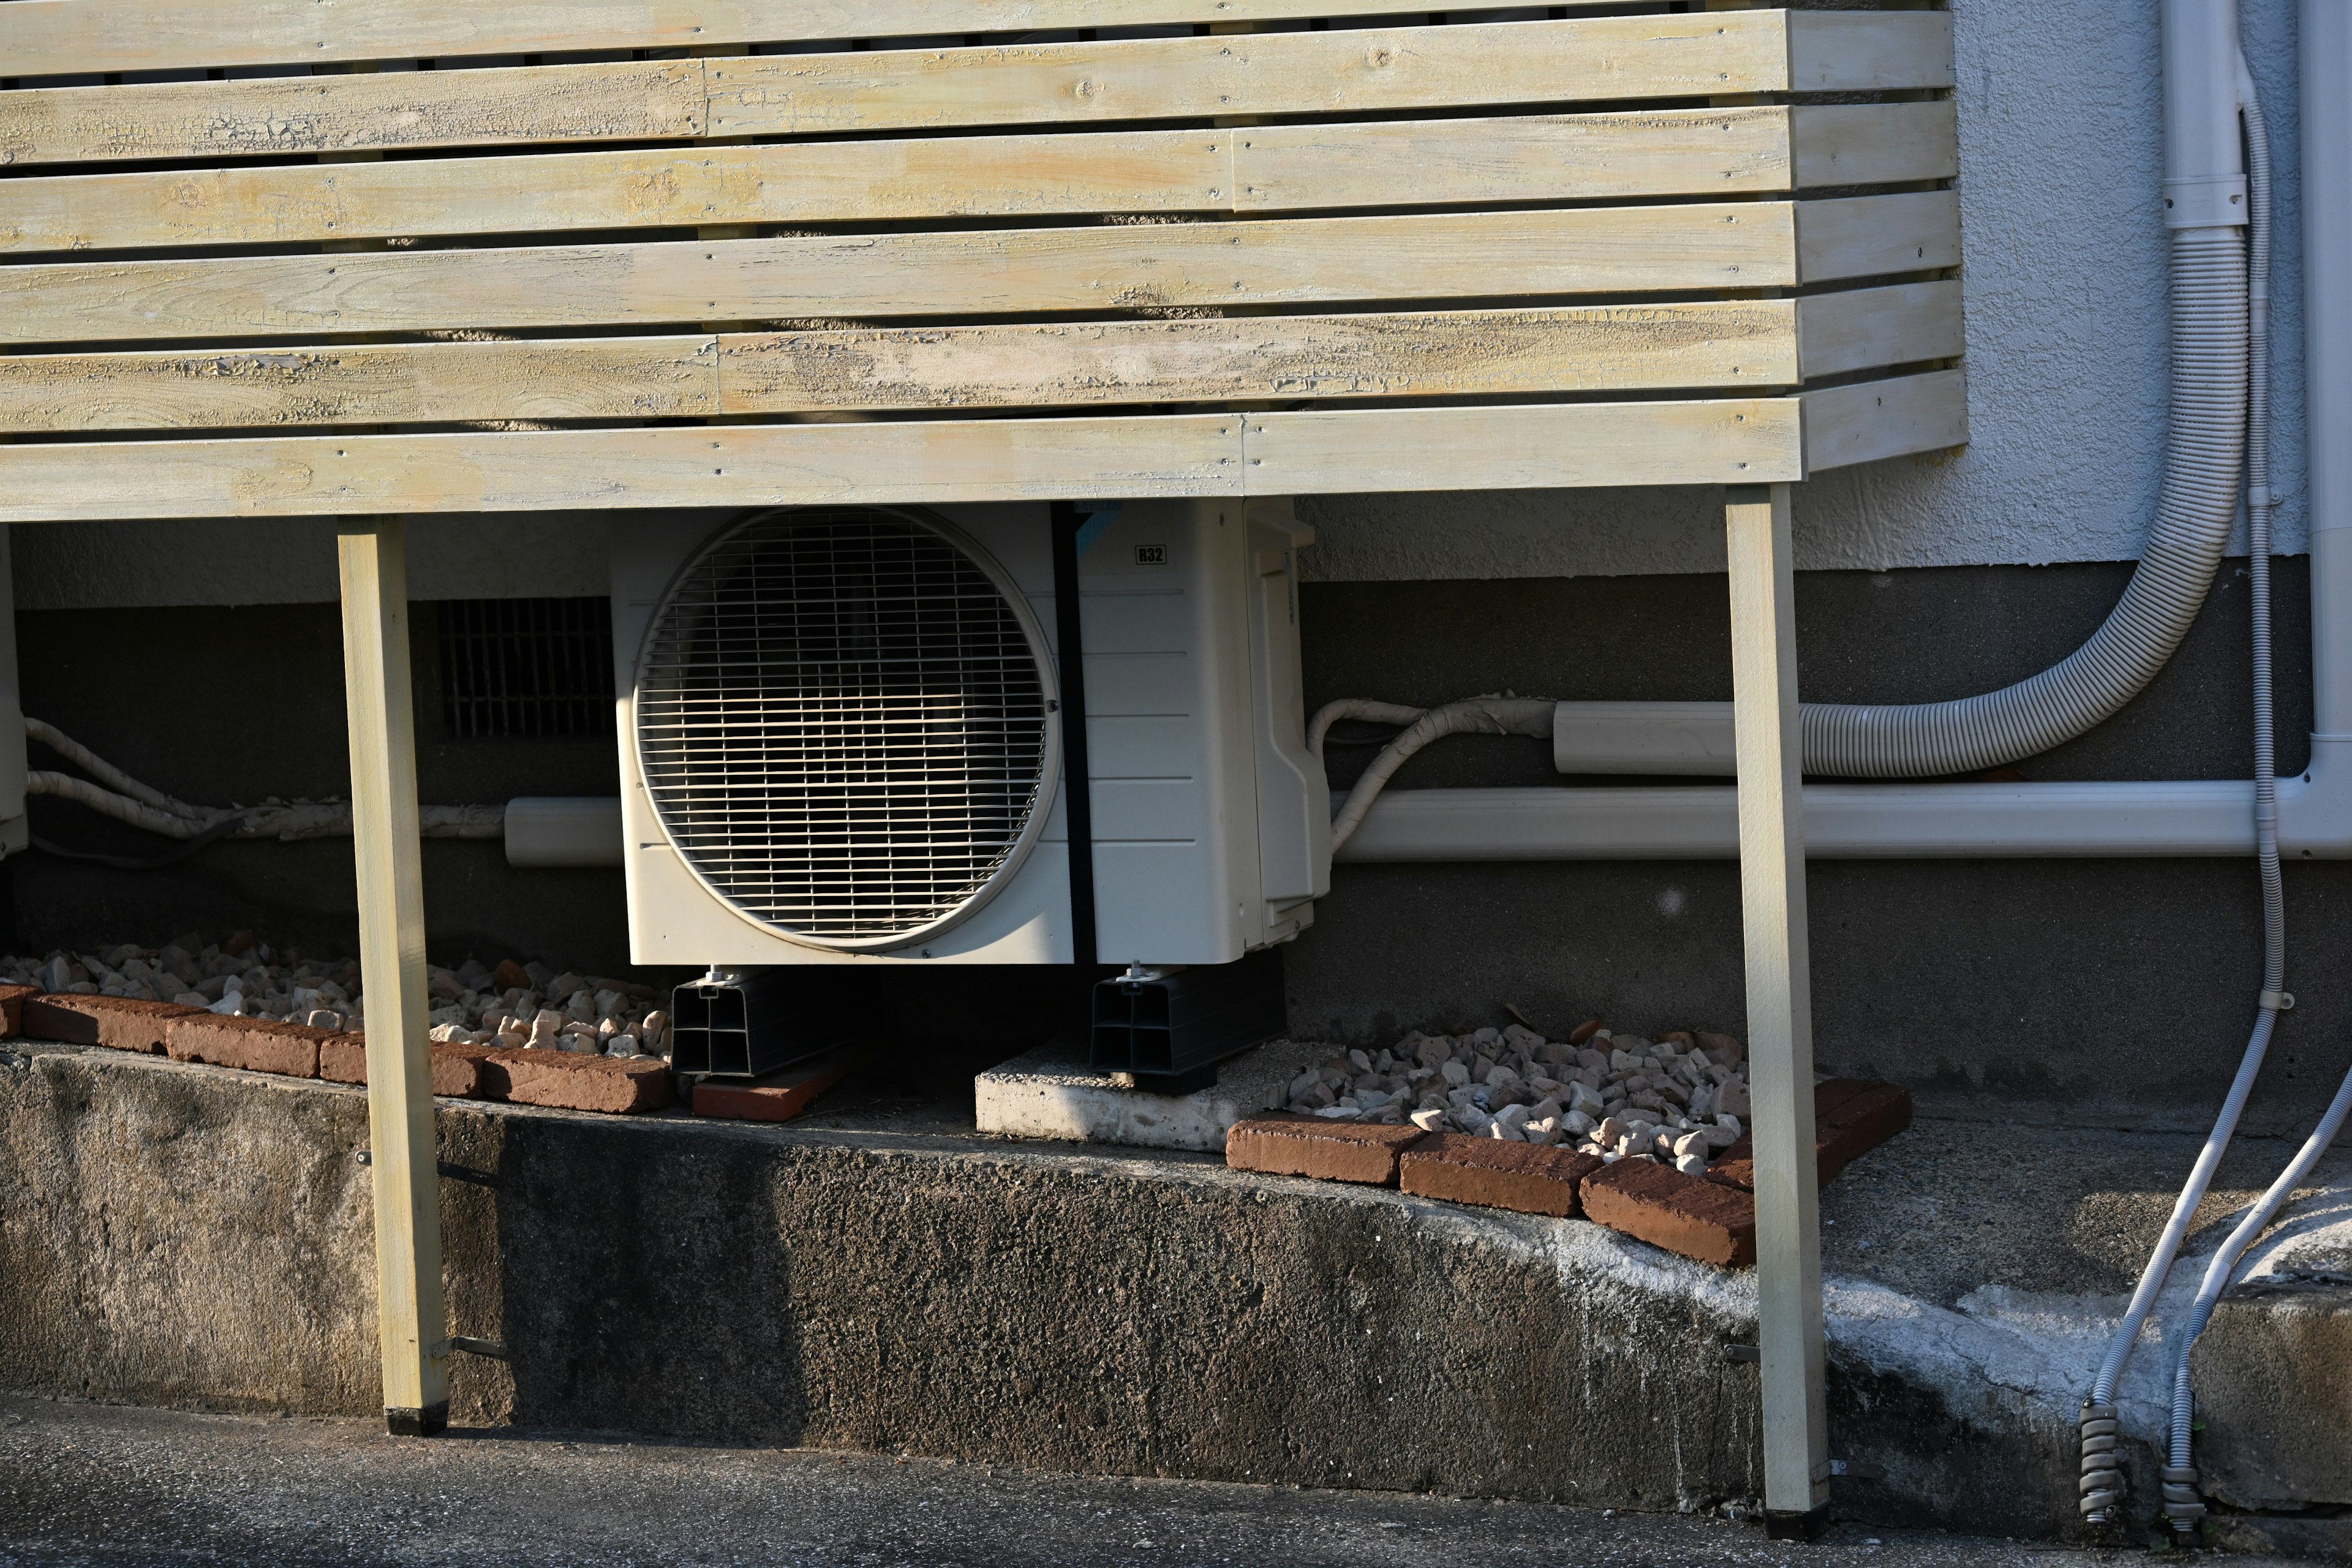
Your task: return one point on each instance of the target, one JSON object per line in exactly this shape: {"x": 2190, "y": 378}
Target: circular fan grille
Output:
{"x": 842, "y": 719}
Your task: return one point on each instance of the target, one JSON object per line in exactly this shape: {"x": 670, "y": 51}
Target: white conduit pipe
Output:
{"x": 2101, "y": 1461}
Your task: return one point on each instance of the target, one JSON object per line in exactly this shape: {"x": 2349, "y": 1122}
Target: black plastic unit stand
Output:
{"x": 759, "y": 1020}
{"x": 1171, "y": 1030}
{"x": 1788, "y": 1524}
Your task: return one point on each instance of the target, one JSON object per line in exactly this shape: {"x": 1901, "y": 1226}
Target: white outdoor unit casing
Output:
{"x": 840, "y": 736}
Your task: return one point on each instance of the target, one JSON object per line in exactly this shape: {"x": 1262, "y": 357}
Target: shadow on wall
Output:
{"x": 2040, "y": 989}
{"x": 1994, "y": 987}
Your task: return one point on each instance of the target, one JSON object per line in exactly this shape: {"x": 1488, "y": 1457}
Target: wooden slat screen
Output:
{"x": 1026, "y": 247}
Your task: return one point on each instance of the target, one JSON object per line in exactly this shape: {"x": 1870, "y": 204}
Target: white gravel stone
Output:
{"x": 1428, "y": 1119}
{"x": 1691, "y": 1164}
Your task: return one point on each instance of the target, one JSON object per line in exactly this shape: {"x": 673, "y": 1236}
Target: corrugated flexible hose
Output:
{"x": 2195, "y": 510}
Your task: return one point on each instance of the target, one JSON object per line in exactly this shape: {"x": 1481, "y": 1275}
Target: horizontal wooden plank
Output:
{"x": 1729, "y": 440}
{"x": 1576, "y": 349}
{"x": 1518, "y": 158}
{"x": 910, "y": 461}
{"x": 985, "y": 176}
{"x": 52, "y": 37}
{"x": 1878, "y": 236}
{"x": 1098, "y": 269}
{"x": 1875, "y": 143}
{"x": 1868, "y": 51}
{"x": 1606, "y": 347}
{"x": 1898, "y": 416}
{"x": 1346, "y": 71}
{"x": 1863, "y": 329}
{"x": 1342, "y": 451}
{"x": 277, "y": 116}
{"x": 1621, "y": 59}
{"x": 1617, "y": 156}
{"x": 362, "y": 383}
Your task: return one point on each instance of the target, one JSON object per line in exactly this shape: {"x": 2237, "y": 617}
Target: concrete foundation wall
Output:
{"x": 195, "y": 1237}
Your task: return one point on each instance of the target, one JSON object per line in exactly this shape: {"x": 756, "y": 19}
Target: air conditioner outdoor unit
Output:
{"x": 842, "y": 736}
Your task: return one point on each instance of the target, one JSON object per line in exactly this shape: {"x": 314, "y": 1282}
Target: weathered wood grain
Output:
{"x": 857, "y": 182}
{"x": 906, "y": 461}
{"x": 1875, "y": 143}
{"x": 1896, "y": 417}
{"x": 1729, "y": 440}
{"x": 361, "y": 384}
{"x": 47, "y": 37}
{"x": 1878, "y": 236}
{"x": 1406, "y": 355}
{"x": 1724, "y": 440}
{"x": 1517, "y": 158}
{"x": 1417, "y": 353}
{"x": 1879, "y": 51}
{"x": 1303, "y": 262}
{"x": 1351, "y": 70}
{"x": 1618, "y": 156}
{"x": 276, "y": 115}
{"x": 1863, "y": 329}
{"x": 1620, "y": 59}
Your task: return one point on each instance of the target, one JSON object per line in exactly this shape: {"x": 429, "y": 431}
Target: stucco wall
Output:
{"x": 2060, "y": 157}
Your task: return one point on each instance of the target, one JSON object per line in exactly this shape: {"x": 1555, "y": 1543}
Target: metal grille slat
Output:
{"x": 843, "y": 723}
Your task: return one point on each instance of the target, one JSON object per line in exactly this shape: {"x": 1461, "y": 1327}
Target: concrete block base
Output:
{"x": 1046, "y": 1094}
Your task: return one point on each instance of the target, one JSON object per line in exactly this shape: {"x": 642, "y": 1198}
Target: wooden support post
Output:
{"x": 1779, "y": 1007}
{"x": 411, "y": 1326}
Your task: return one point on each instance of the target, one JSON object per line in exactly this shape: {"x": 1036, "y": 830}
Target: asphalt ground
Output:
{"x": 112, "y": 1485}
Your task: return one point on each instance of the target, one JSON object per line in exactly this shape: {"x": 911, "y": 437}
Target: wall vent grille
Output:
{"x": 525, "y": 668}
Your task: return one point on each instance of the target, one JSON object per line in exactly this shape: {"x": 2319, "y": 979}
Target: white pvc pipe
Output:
{"x": 1842, "y": 822}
